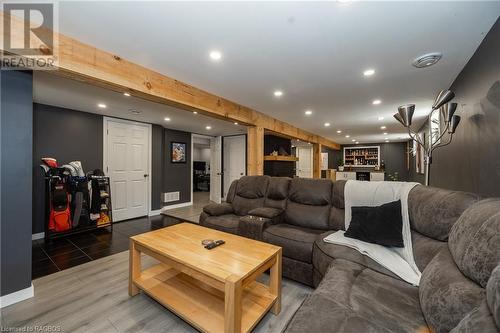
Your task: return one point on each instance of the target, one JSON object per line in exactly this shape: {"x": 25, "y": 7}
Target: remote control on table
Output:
{"x": 214, "y": 244}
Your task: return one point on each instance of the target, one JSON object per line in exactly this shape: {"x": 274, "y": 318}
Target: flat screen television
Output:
{"x": 199, "y": 166}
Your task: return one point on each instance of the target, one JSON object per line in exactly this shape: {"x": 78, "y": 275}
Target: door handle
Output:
{"x": 146, "y": 175}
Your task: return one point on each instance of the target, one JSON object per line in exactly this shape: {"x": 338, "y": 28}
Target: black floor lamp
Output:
{"x": 405, "y": 115}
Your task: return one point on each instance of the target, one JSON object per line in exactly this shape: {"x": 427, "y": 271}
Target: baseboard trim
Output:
{"x": 184, "y": 204}
{"x": 17, "y": 296}
{"x": 155, "y": 212}
{"x": 39, "y": 235}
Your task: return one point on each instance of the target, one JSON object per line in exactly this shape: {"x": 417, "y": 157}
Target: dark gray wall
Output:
{"x": 177, "y": 176}
{"x": 158, "y": 164}
{"x": 65, "y": 135}
{"x": 16, "y": 179}
{"x": 394, "y": 156}
{"x": 333, "y": 157}
{"x": 472, "y": 162}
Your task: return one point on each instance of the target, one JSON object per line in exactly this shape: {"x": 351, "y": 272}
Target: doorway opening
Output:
{"x": 201, "y": 180}
{"x": 304, "y": 152}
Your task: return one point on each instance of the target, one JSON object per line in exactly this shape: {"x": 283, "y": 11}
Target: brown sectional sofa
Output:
{"x": 456, "y": 244}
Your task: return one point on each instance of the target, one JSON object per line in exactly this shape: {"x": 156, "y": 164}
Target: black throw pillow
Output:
{"x": 381, "y": 225}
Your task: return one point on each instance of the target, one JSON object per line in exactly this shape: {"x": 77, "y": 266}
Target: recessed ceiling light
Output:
{"x": 357, "y": 142}
{"x": 278, "y": 93}
{"x": 208, "y": 128}
{"x": 195, "y": 112}
{"x": 308, "y": 112}
{"x": 353, "y": 140}
{"x": 347, "y": 136}
{"x": 101, "y": 105}
{"x": 339, "y": 131}
{"x": 215, "y": 55}
{"x": 385, "y": 133}
{"x": 387, "y": 141}
{"x": 383, "y": 127}
{"x": 327, "y": 124}
{"x": 235, "y": 123}
{"x": 126, "y": 94}
{"x": 167, "y": 119}
{"x": 369, "y": 72}
{"x": 380, "y": 118}
{"x": 386, "y": 138}
{"x": 376, "y": 102}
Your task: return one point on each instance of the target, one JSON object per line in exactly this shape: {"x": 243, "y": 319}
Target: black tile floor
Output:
{"x": 59, "y": 254}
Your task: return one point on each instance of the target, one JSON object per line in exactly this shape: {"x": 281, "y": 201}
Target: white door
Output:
{"x": 305, "y": 163}
{"x": 215, "y": 169}
{"x": 126, "y": 160}
{"x": 234, "y": 160}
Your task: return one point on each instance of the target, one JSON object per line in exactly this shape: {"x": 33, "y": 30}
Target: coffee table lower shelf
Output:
{"x": 200, "y": 304}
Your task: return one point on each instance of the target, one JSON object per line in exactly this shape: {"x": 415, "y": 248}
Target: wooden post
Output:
{"x": 275, "y": 283}
{"x": 255, "y": 151}
{"x": 317, "y": 160}
{"x": 232, "y": 305}
{"x": 134, "y": 268}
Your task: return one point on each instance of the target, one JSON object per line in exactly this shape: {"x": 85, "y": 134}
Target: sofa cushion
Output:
{"x": 228, "y": 223}
{"x": 475, "y": 240}
{"x": 493, "y": 295}
{"x": 250, "y": 192}
{"x": 277, "y": 192}
{"x": 231, "y": 192}
{"x": 425, "y": 249}
{"x": 337, "y": 218}
{"x": 478, "y": 320}
{"x": 313, "y": 192}
{"x": 309, "y": 203}
{"x": 338, "y": 194}
{"x": 216, "y": 209}
{"x": 352, "y": 299}
{"x": 252, "y": 187}
{"x": 278, "y": 188}
{"x": 433, "y": 211}
{"x": 266, "y": 212}
{"x": 297, "y": 242}
{"x": 325, "y": 253}
{"x": 446, "y": 295}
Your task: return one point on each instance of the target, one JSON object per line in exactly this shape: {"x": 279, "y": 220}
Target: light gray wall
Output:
{"x": 16, "y": 119}
{"x": 472, "y": 162}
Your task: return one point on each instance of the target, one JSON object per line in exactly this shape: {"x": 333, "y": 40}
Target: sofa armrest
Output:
{"x": 253, "y": 227}
{"x": 266, "y": 212}
{"x": 214, "y": 209}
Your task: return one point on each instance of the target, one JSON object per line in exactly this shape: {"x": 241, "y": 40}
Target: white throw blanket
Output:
{"x": 400, "y": 261}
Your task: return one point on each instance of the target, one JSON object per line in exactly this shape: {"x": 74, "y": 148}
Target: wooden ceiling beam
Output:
{"x": 86, "y": 63}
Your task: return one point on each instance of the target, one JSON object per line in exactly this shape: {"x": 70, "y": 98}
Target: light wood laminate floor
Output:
{"x": 93, "y": 297}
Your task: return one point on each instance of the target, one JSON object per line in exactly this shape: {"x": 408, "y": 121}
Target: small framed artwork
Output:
{"x": 178, "y": 151}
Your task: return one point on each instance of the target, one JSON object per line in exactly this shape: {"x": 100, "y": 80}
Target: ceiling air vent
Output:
{"x": 135, "y": 111}
{"x": 426, "y": 60}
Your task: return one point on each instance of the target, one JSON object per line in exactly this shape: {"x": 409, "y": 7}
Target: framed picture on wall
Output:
{"x": 178, "y": 151}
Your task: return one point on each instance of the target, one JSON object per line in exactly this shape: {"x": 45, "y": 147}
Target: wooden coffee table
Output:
{"x": 213, "y": 290}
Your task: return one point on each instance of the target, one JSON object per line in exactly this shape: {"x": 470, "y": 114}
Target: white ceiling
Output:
{"x": 314, "y": 51}
{"x": 66, "y": 93}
